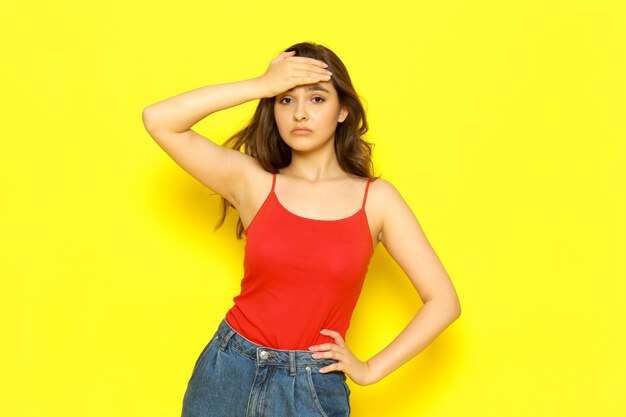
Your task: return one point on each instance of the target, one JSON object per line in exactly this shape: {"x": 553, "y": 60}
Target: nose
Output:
{"x": 300, "y": 113}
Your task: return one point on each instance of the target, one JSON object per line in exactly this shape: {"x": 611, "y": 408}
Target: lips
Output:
{"x": 301, "y": 129}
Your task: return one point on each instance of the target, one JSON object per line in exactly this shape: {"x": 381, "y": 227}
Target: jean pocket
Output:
{"x": 328, "y": 392}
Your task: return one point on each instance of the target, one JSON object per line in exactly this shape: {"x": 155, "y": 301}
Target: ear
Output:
{"x": 343, "y": 114}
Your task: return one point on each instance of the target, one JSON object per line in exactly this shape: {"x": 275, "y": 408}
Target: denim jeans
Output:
{"x": 234, "y": 377}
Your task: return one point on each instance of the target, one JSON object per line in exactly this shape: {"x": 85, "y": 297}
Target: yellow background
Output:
{"x": 501, "y": 124}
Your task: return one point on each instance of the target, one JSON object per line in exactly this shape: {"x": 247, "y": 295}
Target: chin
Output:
{"x": 308, "y": 147}
{"x": 304, "y": 143}
{"x": 300, "y": 148}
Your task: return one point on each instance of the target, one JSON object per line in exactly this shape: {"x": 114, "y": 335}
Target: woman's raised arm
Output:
{"x": 169, "y": 123}
{"x": 222, "y": 169}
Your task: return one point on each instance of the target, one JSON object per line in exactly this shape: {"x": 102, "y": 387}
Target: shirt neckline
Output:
{"x": 315, "y": 220}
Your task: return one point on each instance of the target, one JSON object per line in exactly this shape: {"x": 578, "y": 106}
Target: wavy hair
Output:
{"x": 261, "y": 139}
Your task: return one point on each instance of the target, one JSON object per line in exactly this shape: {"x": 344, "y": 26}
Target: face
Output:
{"x": 311, "y": 106}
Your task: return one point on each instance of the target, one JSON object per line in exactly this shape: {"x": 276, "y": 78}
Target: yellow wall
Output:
{"x": 501, "y": 124}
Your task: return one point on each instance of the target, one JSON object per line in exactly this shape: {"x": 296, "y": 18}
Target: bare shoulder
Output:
{"x": 388, "y": 206}
{"x": 382, "y": 196}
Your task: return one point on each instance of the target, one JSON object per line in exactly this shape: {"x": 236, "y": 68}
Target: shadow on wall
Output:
{"x": 187, "y": 206}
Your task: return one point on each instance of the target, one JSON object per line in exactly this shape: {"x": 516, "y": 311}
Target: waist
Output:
{"x": 265, "y": 355}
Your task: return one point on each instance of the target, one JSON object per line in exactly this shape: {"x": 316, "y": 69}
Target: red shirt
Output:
{"x": 301, "y": 275}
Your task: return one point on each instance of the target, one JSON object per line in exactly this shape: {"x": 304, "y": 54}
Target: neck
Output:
{"x": 314, "y": 166}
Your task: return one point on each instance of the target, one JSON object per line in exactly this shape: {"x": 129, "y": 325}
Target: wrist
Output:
{"x": 372, "y": 377}
{"x": 257, "y": 86}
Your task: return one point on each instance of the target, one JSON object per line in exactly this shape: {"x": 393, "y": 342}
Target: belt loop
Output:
{"x": 292, "y": 363}
{"x": 230, "y": 334}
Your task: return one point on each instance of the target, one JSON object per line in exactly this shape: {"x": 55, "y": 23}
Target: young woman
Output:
{"x": 312, "y": 213}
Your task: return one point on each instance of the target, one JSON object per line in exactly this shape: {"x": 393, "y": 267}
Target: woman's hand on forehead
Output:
{"x": 287, "y": 71}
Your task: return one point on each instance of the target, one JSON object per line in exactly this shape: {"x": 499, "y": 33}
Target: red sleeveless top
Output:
{"x": 301, "y": 275}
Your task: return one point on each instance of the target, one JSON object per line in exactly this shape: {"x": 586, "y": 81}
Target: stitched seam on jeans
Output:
{"x": 241, "y": 352}
{"x": 314, "y": 394}
{"x": 248, "y": 409}
{"x": 261, "y": 402}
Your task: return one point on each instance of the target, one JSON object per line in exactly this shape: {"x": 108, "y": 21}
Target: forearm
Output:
{"x": 181, "y": 112}
{"x": 431, "y": 320}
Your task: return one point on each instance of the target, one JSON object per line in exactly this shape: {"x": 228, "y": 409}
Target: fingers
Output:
{"x": 330, "y": 368}
{"x": 309, "y": 61}
{"x": 287, "y": 71}
{"x": 310, "y": 80}
{"x": 323, "y": 346}
{"x": 335, "y": 335}
{"x": 327, "y": 354}
{"x": 307, "y": 73}
{"x": 320, "y": 355}
{"x": 302, "y": 59}
{"x": 311, "y": 68}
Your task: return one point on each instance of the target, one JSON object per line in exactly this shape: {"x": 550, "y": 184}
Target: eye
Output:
{"x": 321, "y": 99}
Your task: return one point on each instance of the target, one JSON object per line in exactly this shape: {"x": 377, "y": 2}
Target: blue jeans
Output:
{"x": 234, "y": 377}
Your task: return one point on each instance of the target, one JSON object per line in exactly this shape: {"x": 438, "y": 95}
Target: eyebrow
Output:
{"x": 311, "y": 88}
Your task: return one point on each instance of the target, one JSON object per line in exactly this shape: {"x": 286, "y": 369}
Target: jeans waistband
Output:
{"x": 267, "y": 355}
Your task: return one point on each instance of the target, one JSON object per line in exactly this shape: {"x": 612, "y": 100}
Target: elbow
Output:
{"x": 455, "y": 307}
{"x": 457, "y": 311}
{"x": 449, "y": 309}
{"x": 147, "y": 118}
{"x": 450, "y": 305}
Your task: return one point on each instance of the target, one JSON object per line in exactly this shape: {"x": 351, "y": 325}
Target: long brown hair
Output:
{"x": 261, "y": 139}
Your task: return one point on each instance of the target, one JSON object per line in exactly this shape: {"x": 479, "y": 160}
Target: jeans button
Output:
{"x": 263, "y": 354}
